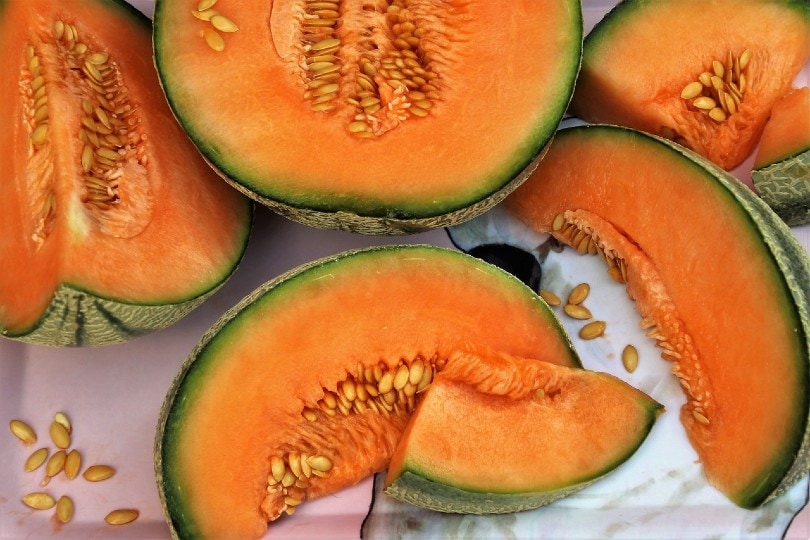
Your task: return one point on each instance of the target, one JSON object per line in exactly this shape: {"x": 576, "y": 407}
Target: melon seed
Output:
{"x": 701, "y": 419}
{"x": 550, "y": 298}
{"x": 23, "y": 431}
{"x": 59, "y": 435}
{"x": 579, "y": 293}
{"x": 592, "y": 330}
{"x": 62, "y": 419}
{"x": 630, "y": 358}
{"x": 55, "y": 465}
{"x": 577, "y": 311}
{"x": 64, "y": 509}
{"x": 36, "y": 460}
{"x": 73, "y": 463}
{"x": 38, "y": 501}
{"x": 121, "y": 516}
{"x": 319, "y": 463}
{"x": 223, "y": 24}
{"x": 213, "y": 39}
{"x": 205, "y": 4}
{"x": 97, "y": 473}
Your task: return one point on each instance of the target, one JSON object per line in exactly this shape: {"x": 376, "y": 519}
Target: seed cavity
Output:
{"x": 719, "y": 90}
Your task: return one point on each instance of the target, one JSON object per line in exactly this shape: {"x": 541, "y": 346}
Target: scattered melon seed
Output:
{"x": 73, "y": 463}
{"x": 121, "y": 516}
{"x": 55, "y": 465}
{"x": 579, "y": 294}
{"x": 214, "y": 40}
{"x": 64, "y": 509}
{"x": 62, "y": 419}
{"x": 550, "y": 298}
{"x": 630, "y": 358}
{"x": 97, "y": 473}
{"x": 692, "y": 90}
{"x": 592, "y": 330}
{"x": 701, "y": 419}
{"x": 38, "y": 501}
{"x": 577, "y": 311}
{"x": 36, "y": 460}
{"x": 23, "y": 431}
{"x": 223, "y": 23}
{"x": 205, "y": 4}
{"x": 59, "y": 435}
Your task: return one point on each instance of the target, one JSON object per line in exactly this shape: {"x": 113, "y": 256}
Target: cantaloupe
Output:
{"x": 391, "y": 116}
{"x": 719, "y": 280}
{"x": 306, "y": 386}
{"x": 113, "y": 225}
{"x": 781, "y": 173}
{"x": 705, "y": 73}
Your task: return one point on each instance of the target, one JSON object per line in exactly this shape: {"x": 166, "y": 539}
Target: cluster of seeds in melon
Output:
{"x": 719, "y": 92}
{"x": 370, "y": 394}
{"x": 62, "y": 460}
{"x": 662, "y": 322}
{"x": 109, "y": 137}
{"x": 384, "y": 78}
{"x": 218, "y": 23}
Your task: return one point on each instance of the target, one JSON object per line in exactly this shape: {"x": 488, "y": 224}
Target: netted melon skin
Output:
{"x": 77, "y": 318}
{"x": 785, "y": 186}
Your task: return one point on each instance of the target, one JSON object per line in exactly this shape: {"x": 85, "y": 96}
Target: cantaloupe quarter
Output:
{"x": 718, "y": 279}
{"x": 379, "y": 117}
{"x": 704, "y": 73}
{"x": 305, "y": 387}
{"x": 781, "y": 172}
{"x": 113, "y": 225}
{"x": 497, "y": 433}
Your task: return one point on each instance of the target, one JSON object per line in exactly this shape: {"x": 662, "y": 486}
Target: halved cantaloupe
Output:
{"x": 306, "y": 386}
{"x": 113, "y": 225}
{"x": 390, "y": 116}
{"x": 496, "y": 433}
{"x": 718, "y": 279}
{"x": 704, "y": 73}
{"x": 781, "y": 172}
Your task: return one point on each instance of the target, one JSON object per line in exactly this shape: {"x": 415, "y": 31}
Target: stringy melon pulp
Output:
{"x": 268, "y": 382}
{"x": 719, "y": 282}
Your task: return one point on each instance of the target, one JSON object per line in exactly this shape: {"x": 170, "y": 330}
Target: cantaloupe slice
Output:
{"x": 319, "y": 370}
{"x": 719, "y": 280}
{"x": 497, "y": 433}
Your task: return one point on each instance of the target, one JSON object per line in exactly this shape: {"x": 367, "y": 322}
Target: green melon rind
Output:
{"x": 416, "y": 487}
{"x": 793, "y": 264}
{"x": 77, "y": 318}
{"x": 170, "y": 421}
{"x": 363, "y": 215}
{"x": 785, "y": 187}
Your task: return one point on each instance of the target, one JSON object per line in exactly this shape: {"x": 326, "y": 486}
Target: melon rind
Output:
{"x": 179, "y": 516}
{"x": 785, "y": 187}
{"x": 364, "y": 214}
{"x": 78, "y": 318}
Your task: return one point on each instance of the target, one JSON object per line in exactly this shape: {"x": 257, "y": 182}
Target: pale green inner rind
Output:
{"x": 213, "y": 348}
{"x": 265, "y": 187}
{"x": 785, "y": 187}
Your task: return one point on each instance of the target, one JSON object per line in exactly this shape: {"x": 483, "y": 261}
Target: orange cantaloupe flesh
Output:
{"x": 183, "y": 242}
{"x": 476, "y": 131}
{"x": 497, "y": 433}
{"x": 787, "y": 132}
{"x": 247, "y": 386}
{"x": 695, "y": 258}
{"x": 640, "y": 57}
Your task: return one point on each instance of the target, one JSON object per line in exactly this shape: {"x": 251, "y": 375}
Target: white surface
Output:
{"x": 113, "y": 396}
